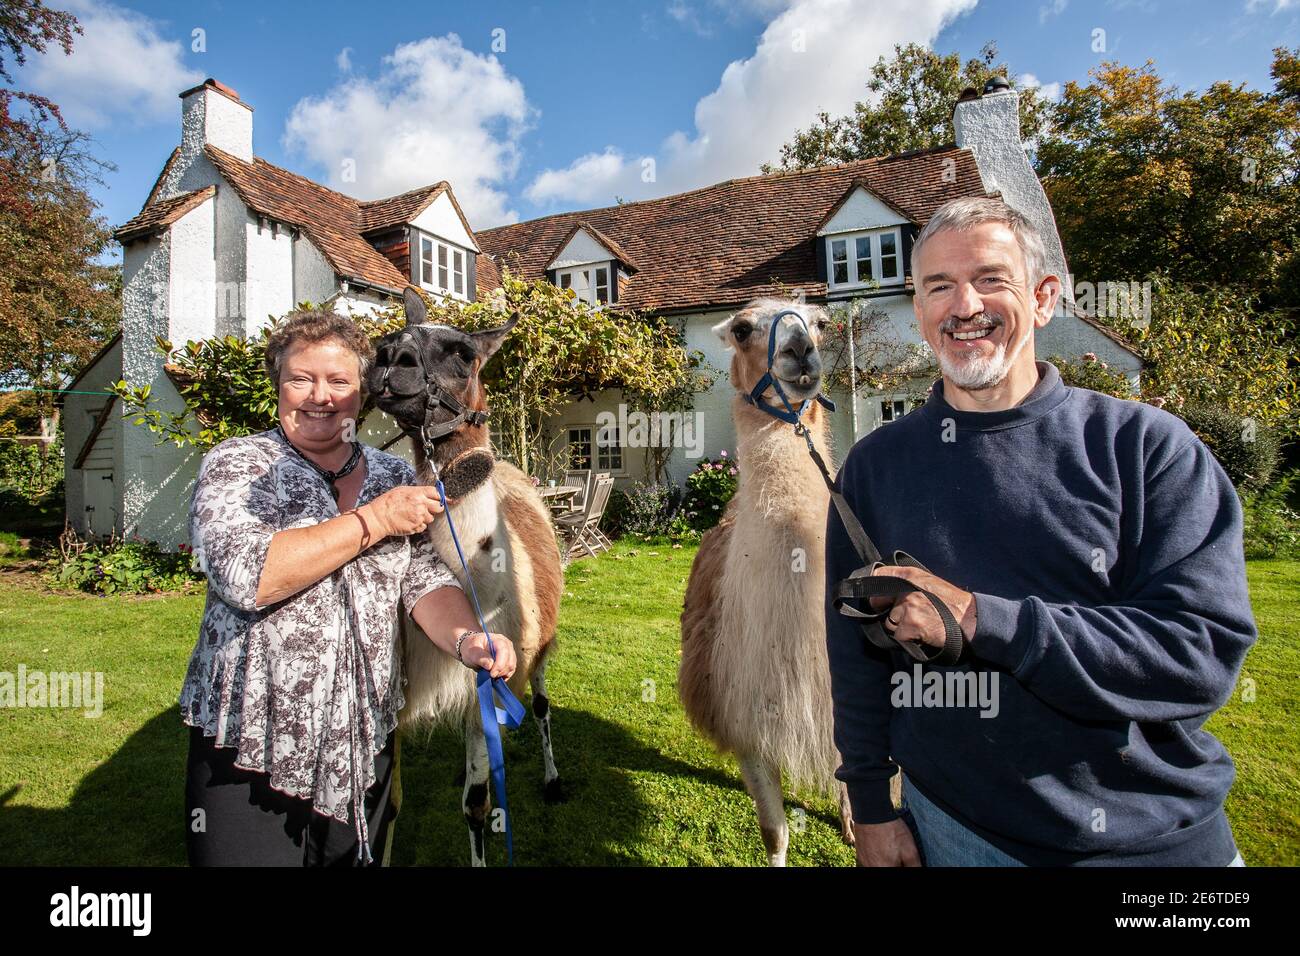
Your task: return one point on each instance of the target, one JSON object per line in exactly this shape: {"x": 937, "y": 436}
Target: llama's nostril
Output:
{"x": 805, "y": 380}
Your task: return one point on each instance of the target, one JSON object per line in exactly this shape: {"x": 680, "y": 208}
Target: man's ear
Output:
{"x": 1047, "y": 296}
{"x": 487, "y": 341}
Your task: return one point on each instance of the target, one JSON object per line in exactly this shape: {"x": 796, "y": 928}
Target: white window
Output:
{"x": 609, "y": 450}
{"x": 579, "y": 448}
{"x": 892, "y": 409}
{"x": 442, "y": 268}
{"x": 590, "y": 283}
{"x": 861, "y": 257}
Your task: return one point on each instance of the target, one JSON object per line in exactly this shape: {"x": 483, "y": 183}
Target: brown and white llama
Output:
{"x": 754, "y": 677}
{"x": 504, "y": 529}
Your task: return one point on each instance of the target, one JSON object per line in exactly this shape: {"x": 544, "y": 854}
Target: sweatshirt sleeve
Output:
{"x": 860, "y": 676}
{"x": 1171, "y": 649}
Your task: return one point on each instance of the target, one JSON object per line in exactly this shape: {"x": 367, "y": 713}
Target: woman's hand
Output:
{"x": 474, "y": 653}
{"x": 406, "y": 509}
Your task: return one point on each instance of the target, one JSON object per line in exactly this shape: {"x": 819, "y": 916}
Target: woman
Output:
{"x": 309, "y": 540}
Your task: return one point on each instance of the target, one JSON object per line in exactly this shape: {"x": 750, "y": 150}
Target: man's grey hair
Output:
{"x": 971, "y": 211}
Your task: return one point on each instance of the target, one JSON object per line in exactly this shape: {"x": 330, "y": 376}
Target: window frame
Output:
{"x": 448, "y": 266}
{"x": 569, "y": 273}
{"x": 850, "y": 259}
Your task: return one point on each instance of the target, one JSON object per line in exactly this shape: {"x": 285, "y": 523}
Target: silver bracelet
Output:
{"x": 460, "y": 640}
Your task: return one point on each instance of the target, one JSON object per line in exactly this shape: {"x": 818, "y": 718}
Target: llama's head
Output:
{"x": 409, "y": 360}
{"x": 796, "y": 361}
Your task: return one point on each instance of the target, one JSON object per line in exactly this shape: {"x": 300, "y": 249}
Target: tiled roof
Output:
{"x": 162, "y": 213}
{"x": 725, "y": 244}
{"x": 396, "y": 210}
{"x": 1073, "y": 309}
{"x": 329, "y": 219}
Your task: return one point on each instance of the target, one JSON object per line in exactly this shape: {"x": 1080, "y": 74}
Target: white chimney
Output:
{"x": 212, "y": 114}
{"x": 989, "y": 126}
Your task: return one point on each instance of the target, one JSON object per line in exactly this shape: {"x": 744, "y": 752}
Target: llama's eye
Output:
{"x": 741, "y": 331}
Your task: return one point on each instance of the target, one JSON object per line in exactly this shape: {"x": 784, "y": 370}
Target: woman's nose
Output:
{"x": 320, "y": 392}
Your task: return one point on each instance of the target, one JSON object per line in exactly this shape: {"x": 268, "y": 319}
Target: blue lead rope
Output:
{"x": 511, "y": 714}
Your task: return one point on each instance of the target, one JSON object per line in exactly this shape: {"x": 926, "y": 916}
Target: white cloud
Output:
{"x": 1048, "y": 91}
{"x": 1053, "y": 9}
{"x": 1278, "y": 5}
{"x": 344, "y": 60}
{"x": 814, "y": 55}
{"x": 435, "y": 111}
{"x": 121, "y": 70}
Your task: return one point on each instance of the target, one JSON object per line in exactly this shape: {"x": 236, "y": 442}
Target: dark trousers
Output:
{"x": 246, "y": 823}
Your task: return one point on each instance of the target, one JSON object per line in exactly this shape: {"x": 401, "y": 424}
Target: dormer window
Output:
{"x": 855, "y": 259}
{"x": 590, "y": 283}
{"x": 442, "y": 267}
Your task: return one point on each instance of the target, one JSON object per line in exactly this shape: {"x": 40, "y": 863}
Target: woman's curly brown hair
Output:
{"x": 316, "y": 325}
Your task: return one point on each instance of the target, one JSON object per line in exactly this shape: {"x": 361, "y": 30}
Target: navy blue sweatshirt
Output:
{"x": 1102, "y": 542}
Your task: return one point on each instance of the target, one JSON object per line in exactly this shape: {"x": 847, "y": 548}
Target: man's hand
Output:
{"x": 886, "y": 844}
{"x": 913, "y": 618}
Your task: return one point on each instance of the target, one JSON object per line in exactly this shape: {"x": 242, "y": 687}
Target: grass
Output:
{"x": 642, "y": 787}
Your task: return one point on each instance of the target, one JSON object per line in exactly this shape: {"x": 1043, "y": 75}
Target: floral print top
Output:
{"x": 308, "y": 689}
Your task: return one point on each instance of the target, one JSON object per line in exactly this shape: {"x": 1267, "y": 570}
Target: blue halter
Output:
{"x": 755, "y": 396}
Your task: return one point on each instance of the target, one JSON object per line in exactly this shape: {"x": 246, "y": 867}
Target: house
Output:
{"x": 225, "y": 241}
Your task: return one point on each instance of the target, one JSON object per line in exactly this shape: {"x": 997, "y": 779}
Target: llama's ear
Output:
{"x": 487, "y": 341}
{"x": 416, "y": 312}
{"x": 720, "y": 330}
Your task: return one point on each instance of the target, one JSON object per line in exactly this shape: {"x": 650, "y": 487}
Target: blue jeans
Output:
{"x": 942, "y": 841}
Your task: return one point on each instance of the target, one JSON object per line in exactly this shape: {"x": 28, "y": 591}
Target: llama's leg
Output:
{"x": 475, "y": 798}
{"x": 846, "y": 817}
{"x": 764, "y": 784}
{"x": 542, "y": 712}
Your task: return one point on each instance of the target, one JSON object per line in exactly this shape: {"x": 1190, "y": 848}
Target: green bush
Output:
{"x": 124, "y": 567}
{"x": 708, "y": 489}
{"x": 1249, "y": 451}
{"x": 644, "y": 510}
{"x": 1091, "y": 372}
{"x": 33, "y": 476}
{"x": 1272, "y": 526}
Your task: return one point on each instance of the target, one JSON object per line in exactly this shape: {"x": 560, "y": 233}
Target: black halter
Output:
{"x": 329, "y": 476}
{"x": 429, "y": 433}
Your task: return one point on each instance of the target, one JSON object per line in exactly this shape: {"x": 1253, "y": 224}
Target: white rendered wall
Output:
{"x": 313, "y": 277}
{"x": 862, "y": 211}
{"x": 441, "y": 220}
{"x": 269, "y": 283}
{"x": 580, "y": 250}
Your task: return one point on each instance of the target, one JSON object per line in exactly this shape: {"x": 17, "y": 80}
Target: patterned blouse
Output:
{"x": 307, "y": 689}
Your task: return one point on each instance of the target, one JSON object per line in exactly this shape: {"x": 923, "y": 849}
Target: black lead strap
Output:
{"x": 329, "y": 476}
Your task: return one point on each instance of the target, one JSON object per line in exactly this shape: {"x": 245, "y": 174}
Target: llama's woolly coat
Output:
{"x": 754, "y": 677}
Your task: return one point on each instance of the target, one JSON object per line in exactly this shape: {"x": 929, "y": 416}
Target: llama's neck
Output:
{"x": 461, "y": 440}
{"x": 779, "y": 481}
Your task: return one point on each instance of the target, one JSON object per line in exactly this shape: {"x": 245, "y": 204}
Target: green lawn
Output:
{"x": 642, "y": 787}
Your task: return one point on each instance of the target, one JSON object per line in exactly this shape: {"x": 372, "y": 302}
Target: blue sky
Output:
{"x": 587, "y": 100}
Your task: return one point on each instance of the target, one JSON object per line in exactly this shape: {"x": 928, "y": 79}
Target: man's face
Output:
{"x": 975, "y": 306}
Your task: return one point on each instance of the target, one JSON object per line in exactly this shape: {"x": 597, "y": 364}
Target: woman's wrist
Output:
{"x": 461, "y": 638}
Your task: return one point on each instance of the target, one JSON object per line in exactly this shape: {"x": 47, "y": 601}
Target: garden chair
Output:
{"x": 584, "y": 528}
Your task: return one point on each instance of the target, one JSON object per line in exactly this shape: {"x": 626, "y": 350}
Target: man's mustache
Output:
{"x": 985, "y": 320}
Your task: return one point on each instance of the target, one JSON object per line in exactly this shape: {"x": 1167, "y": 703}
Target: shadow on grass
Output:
{"x": 129, "y": 810}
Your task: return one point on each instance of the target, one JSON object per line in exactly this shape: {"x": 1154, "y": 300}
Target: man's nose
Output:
{"x": 968, "y": 302}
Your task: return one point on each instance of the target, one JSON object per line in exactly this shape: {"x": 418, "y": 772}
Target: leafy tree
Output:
{"x": 909, "y": 107}
{"x": 1201, "y": 187}
{"x": 58, "y": 303}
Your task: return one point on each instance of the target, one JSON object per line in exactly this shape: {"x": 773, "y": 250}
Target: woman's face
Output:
{"x": 320, "y": 394}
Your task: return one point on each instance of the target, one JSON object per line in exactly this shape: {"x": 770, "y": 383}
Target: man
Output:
{"x": 1090, "y": 549}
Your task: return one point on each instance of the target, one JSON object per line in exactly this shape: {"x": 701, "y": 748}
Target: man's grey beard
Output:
{"x": 979, "y": 373}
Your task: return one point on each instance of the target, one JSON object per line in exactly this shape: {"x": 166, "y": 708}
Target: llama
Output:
{"x": 754, "y": 677}
{"x": 504, "y": 529}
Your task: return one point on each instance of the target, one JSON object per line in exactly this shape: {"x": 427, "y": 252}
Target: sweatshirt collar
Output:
{"x": 1045, "y": 396}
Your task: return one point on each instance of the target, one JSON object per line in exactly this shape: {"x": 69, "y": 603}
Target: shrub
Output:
{"x": 122, "y": 567}
{"x": 1249, "y": 451}
{"x": 33, "y": 476}
{"x": 708, "y": 489}
{"x": 644, "y": 509}
{"x": 1091, "y": 372}
{"x": 1272, "y": 526}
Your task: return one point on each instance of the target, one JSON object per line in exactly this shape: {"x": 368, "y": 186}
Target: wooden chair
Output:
{"x": 580, "y": 479}
{"x": 584, "y": 527}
